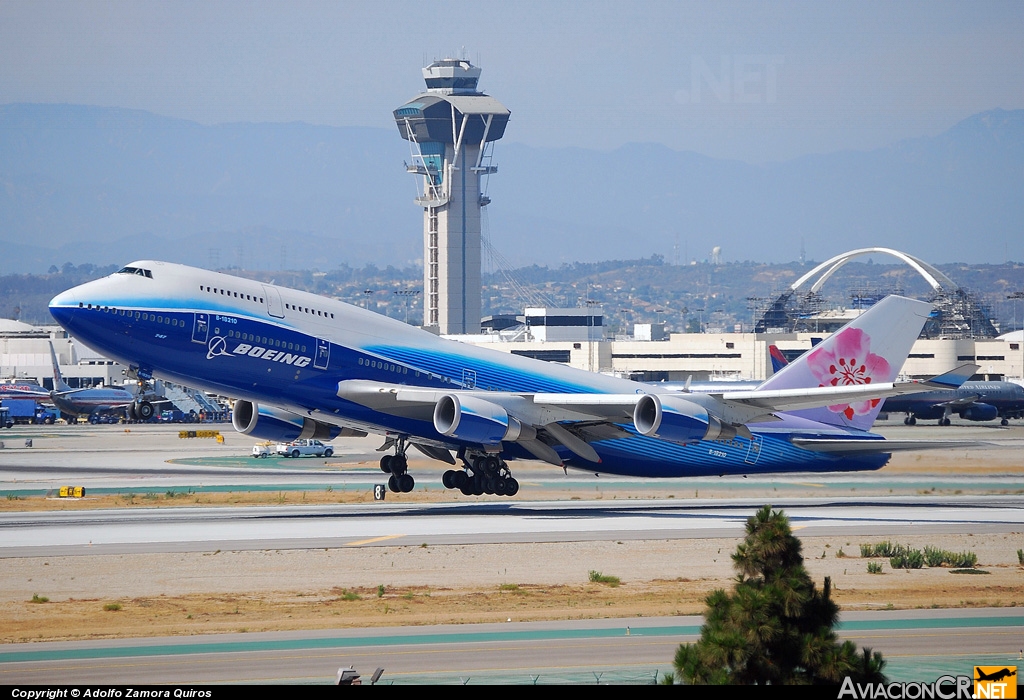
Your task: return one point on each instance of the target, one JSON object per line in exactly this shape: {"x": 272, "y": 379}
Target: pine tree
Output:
{"x": 775, "y": 627}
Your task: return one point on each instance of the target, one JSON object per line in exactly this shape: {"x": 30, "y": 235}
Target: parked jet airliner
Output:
{"x": 301, "y": 365}
{"x": 77, "y": 402}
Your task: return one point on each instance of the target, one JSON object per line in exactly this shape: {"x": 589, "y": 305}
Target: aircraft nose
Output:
{"x": 63, "y": 305}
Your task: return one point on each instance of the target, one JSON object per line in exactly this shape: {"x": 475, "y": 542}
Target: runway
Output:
{"x": 637, "y": 650}
{"x": 184, "y": 529}
{"x": 580, "y": 520}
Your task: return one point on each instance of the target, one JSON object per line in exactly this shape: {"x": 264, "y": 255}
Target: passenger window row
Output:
{"x": 307, "y": 310}
{"x": 138, "y": 315}
{"x": 264, "y": 340}
{"x": 229, "y": 293}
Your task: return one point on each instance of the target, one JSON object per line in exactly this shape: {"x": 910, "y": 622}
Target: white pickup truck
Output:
{"x": 304, "y": 448}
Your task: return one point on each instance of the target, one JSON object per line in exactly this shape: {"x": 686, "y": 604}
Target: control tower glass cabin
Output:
{"x": 451, "y": 129}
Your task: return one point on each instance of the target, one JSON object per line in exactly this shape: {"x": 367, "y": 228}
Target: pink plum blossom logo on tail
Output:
{"x": 849, "y": 361}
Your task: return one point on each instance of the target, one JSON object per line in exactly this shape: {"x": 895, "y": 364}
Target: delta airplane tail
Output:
{"x": 778, "y": 359}
{"x": 871, "y": 349}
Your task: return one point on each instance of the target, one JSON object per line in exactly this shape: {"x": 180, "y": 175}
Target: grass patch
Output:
{"x": 969, "y": 571}
{"x": 598, "y": 577}
{"x": 112, "y": 607}
{"x": 36, "y": 598}
{"x": 349, "y": 595}
{"x": 508, "y": 587}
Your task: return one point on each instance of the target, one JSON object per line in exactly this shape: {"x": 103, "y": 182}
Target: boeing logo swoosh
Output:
{"x": 218, "y": 347}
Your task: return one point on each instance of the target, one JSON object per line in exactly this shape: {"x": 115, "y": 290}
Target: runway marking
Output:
{"x": 372, "y": 540}
{"x": 807, "y": 483}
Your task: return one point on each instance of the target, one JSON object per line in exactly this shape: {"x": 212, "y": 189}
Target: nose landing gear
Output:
{"x": 397, "y": 466}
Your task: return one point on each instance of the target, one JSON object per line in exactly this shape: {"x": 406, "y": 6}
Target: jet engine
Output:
{"x": 980, "y": 412}
{"x": 269, "y": 423}
{"x": 476, "y": 420}
{"x": 677, "y": 419}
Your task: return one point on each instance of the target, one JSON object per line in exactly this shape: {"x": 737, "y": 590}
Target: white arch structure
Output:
{"x": 938, "y": 281}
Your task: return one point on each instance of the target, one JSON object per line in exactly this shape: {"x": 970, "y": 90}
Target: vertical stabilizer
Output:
{"x": 58, "y": 381}
{"x": 870, "y": 349}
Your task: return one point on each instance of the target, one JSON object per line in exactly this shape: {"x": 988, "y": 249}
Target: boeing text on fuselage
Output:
{"x": 303, "y": 366}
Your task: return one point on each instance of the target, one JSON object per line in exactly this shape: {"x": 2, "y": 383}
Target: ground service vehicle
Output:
{"x": 305, "y": 448}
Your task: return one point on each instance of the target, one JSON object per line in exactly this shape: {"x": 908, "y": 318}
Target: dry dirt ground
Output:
{"x": 107, "y": 596}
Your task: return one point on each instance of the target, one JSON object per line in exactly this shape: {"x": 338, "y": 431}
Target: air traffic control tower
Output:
{"x": 451, "y": 129}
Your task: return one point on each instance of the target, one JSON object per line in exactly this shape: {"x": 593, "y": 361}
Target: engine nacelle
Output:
{"x": 269, "y": 423}
{"x": 476, "y": 420}
{"x": 980, "y": 412}
{"x": 677, "y": 419}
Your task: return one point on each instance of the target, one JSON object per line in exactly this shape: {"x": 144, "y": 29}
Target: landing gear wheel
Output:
{"x": 944, "y": 421}
{"x": 385, "y": 464}
{"x": 511, "y": 487}
{"x": 448, "y": 479}
{"x": 130, "y": 411}
{"x": 912, "y": 420}
{"x": 406, "y": 483}
{"x": 144, "y": 410}
{"x": 1004, "y": 422}
{"x": 393, "y": 484}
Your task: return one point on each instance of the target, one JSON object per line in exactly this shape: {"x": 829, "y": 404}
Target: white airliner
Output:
{"x": 303, "y": 366}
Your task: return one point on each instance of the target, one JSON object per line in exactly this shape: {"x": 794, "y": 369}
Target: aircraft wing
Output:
{"x": 540, "y": 421}
{"x": 535, "y": 408}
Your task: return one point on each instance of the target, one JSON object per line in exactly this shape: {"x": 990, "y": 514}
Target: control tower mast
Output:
{"x": 451, "y": 129}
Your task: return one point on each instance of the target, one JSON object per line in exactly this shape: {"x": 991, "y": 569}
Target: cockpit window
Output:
{"x": 135, "y": 271}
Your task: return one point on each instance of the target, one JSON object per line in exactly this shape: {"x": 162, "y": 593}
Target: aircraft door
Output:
{"x": 323, "y": 354}
{"x": 275, "y": 307}
{"x": 200, "y": 328}
{"x": 754, "y": 451}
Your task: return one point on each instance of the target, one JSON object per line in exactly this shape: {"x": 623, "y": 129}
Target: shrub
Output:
{"x": 36, "y": 598}
{"x": 907, "y": 559}
{"x": 112, "y": 607}
{"x": 874, "y": 567}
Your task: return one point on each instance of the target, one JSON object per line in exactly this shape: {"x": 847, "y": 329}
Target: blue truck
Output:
{"x": 25, "y": 412}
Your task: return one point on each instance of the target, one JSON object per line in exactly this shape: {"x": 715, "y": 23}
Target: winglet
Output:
{"x": 954, "y": 378}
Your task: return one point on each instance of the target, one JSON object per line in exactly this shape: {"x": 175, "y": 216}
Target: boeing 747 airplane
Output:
{"x": 303, "y": 366}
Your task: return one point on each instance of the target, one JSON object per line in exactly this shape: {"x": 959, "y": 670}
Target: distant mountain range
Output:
{"x": 103, "y": 185}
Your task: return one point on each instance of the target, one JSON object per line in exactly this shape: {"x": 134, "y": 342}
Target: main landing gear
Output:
{"x": 140, "y": 410}
{"x": 910, "y": 420}
{"x": 483, "y": 473}
{"x": 397, "y": 466}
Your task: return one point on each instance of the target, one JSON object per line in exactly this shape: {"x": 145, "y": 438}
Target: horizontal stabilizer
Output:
{"x": 954, "y": 378}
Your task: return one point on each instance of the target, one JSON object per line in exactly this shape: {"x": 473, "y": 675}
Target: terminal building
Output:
{"x": 959, "y": 332}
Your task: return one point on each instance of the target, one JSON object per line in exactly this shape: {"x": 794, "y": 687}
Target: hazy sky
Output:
{"x": 753, "y": 81}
